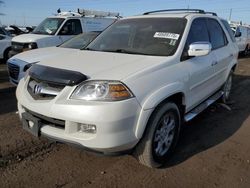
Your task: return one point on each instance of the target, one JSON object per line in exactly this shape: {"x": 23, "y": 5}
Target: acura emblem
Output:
{"x": 37, "y": 89}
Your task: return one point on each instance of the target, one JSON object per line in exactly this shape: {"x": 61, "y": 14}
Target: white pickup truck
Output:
{"x": 57, "y": 29}
{"x": 242, "y": 36}
{"x": 134, "y": 86}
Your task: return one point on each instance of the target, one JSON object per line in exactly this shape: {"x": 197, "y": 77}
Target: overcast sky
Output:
{"x": 32, "y": 12}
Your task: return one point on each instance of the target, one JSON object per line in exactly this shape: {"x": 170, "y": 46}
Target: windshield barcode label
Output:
{"x": 166, "y": 35}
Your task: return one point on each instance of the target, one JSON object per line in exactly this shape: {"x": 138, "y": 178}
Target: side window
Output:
{"x": 217, "y": 35}
{"x": 2, "y": 37}
{"x": 71, "y": 27}
{"x": 2, "y": 32}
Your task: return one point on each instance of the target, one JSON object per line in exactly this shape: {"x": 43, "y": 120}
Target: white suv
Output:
{"x": 134, "y": 86}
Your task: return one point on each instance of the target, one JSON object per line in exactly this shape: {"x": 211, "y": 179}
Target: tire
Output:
{"x": 246, "y": 51}
{"x": 6, "y": 54}
{"x": 227, "y": 87}
{"x": 160, "y": 137}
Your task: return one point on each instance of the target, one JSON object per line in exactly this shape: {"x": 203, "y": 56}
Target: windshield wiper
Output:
{"x": 124, "y": 51}
{"x": 89, "y": 49}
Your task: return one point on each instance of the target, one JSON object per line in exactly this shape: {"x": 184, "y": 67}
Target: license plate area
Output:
{"x": 31, "y": 124}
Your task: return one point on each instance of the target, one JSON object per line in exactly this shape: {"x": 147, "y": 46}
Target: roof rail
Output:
{"x": 176, "y": 10}
{"x": 213, "y": 13}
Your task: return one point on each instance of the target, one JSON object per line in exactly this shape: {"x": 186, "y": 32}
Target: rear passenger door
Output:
{"x": 201, "y": 71}
{"x": 221, "y": 50}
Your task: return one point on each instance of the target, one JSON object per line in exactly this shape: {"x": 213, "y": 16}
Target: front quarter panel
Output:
{"x": 154, "y": 86}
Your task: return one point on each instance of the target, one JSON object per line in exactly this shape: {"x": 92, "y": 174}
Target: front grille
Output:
{"x": 48, "y": 120}
{"x": 13, "y": 71}
{"x": 42, "y": 90}
{"x": 17, "y": 47}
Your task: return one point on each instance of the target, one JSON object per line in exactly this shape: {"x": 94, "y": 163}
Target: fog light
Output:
{"x": 87, "y": 128}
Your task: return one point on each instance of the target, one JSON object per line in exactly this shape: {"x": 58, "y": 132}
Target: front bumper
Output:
{"x": 115, "y": 121}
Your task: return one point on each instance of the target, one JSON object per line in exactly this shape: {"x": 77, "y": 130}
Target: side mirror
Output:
{"x": 199, "y": 49}
{"x": 238, "y": 34}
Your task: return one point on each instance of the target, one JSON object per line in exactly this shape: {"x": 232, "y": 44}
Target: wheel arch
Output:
{"x": 5, "y": 53}
{"x": 234, "y": 67}
{"x": 177, "y": 97}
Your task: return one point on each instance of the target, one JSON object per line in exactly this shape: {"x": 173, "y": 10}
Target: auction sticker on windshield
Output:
{"x": 166, "y": 35}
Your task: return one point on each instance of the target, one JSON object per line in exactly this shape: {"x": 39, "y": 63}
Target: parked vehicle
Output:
{"x": 242, "y": 35}
{"x": 20, "y": 63}
{"x": 57, "y": 29}
{"x": 5, "y": 44}
{"x": 134, "y": 87}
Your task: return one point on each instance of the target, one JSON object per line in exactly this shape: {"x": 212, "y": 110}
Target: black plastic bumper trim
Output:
{"x": 77, "y": 145}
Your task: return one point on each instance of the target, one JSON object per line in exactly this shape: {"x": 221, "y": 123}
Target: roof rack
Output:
{"x": 176, "y": 10}
{"x": 95, "y": 13}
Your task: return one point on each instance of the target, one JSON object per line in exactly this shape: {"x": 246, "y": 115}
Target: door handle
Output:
{"x": 231, "y": 55}
{"x": 214, "y": 63}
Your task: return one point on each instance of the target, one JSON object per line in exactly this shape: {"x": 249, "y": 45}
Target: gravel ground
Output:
{"x": 214, "y": 151}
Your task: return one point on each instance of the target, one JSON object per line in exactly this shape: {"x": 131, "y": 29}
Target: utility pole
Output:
{"x": 188, "y": 2}
{"x": 230, "y": 15}
{"x": 24, "y": 20}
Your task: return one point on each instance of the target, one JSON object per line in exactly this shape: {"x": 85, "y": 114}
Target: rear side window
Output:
{"x": 217, "y": 35}
{"x": 229, "y": 30}
{"x": 198, "y": 32}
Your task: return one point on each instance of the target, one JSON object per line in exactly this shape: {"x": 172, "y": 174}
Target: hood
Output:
{"x": 104, "y": 65}
{"x": 42, "y": 54}
{"x": 26, "y": 38}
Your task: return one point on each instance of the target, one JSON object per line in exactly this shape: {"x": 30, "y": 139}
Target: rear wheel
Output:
{"x": 160, "y": 137}
{"x": 227, "y": 87}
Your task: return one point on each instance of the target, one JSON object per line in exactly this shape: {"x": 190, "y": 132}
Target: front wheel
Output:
{"x": 246, "y": 51}
{"x": 227, "y": 87}
{"x": 160, "y": 137}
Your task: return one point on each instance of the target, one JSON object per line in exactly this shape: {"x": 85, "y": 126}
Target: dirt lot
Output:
{"x": 214, "y": 151}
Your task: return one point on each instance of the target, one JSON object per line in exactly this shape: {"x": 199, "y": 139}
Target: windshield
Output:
{"x": 80, "y": 41}
{"x": 4, "y": 32}
{"x": 49, "y": 26}
{"x": 146, "y": 36}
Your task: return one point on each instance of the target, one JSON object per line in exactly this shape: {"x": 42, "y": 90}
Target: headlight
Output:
{"x": 102, "y": 91}
{"x": 30, "y": 46}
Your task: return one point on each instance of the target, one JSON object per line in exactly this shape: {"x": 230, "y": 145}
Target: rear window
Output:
{"x": 229, "y": 30}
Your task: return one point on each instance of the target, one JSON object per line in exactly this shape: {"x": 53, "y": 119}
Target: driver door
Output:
{"x": 70, "y": 28}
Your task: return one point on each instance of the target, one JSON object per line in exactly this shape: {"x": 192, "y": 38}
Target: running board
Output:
{"x": 193, "y": 113}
